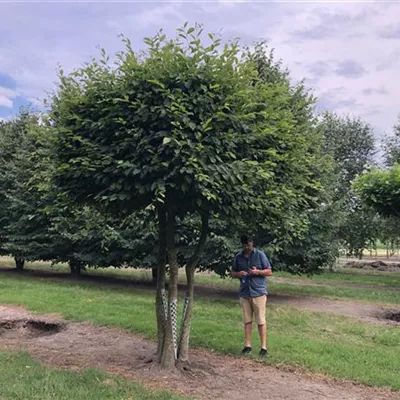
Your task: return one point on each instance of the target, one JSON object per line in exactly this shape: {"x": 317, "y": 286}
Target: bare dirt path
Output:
{"x": 364, "y": 311}
{"x": 367, "y": 312}
{"x": 79, "y": 345}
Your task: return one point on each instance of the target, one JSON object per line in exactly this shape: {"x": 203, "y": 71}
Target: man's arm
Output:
{"x": 266, "y": 267}
{"x": 263, "y": 272}
{"x": 235, "y": 273}
{"x": 238, "y": 274}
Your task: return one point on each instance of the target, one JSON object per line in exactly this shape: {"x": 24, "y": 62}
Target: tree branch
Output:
{"x": 195, "y": 258}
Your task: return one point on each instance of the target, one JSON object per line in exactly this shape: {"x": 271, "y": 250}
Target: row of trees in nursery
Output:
{"x": 161, "y": 159}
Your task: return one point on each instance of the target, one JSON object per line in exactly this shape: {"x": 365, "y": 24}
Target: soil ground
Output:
{"x": 389, "y": 265}
{"x": 80, "y": 345}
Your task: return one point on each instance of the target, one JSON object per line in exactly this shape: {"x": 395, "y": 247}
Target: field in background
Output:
{"x": 343, "y": 283}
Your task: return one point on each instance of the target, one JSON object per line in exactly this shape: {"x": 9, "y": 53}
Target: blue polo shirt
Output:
{"x": 252, "y": 286}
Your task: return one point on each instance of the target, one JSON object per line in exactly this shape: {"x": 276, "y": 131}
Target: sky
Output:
{"x": 348, "y": 52}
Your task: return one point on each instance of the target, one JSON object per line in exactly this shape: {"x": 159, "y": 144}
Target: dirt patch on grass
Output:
{"x": 28, "y": 328}
{"x": 374, "y": 265}
{"x": 393, "y": 316}
{"x": 364, "y": 311}
{"x": 367, "y": 312}
{"x": 81, "y": 345}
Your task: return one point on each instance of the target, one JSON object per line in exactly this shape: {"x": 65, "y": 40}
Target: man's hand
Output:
{"x": 254, "y": 271}
{"x": 239, "y": 274}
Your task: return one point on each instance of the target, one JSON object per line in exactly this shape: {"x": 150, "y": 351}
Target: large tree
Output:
{"x": 187, "y": 129}
{"x": 298, "y": 239}
{"x": 302, "y": 242}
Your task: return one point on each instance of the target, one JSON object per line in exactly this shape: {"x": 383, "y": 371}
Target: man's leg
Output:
{"x": 259, "y": 304}
{"x": 247, "y": 334}
{"x": 262, "y": 330}
{"x": 247, "y": 310}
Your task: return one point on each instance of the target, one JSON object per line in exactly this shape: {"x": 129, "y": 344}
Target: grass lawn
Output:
{"x": 333, "y": 345}
{"x": 353, "y": 276}
{"x": 384, "y": 297}
{"x": 378, "y": 294}
{"x": 22, "y": 378}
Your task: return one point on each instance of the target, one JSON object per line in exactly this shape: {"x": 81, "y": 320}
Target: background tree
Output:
{"x": 17, "y": 143}
{"x": 361, "y": 229}
{"x": 389, "y": 235}
{"x": 379, "y": 189}
{"x": 389, "y": 228}
{"x": 392, "y": 147}
{"x": 318, "y": 247}
{"x": 187, "y": 129}
{"x": 351, "y": 143}
{"x": 40, "y": 224}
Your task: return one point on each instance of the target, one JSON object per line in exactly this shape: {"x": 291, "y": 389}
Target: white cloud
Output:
{"x": 5, "y": 102}
{"x": 351, "y": 46}
{"x": 156, "y": 17}
{"x": 6, "y": 97}
{"x": 351, "y": 55}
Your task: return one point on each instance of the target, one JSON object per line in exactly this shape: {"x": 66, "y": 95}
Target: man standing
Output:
{"x": 252, "y": 267}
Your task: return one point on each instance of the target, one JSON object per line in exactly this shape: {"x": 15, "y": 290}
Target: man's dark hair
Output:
{"x": 244, "y": 239}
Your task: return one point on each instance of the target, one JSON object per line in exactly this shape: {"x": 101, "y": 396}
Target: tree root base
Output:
{"x": 188, "y": 368}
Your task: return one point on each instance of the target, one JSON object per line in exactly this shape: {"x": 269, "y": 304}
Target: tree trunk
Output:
{"x": 168, "y": 356}
{"x": 19, "y": 263}
{"x": 75, "y": 267}
{"x": 183, "y": 348}
{"x": 161, "y": 278}
{"x": 154, "y": 272}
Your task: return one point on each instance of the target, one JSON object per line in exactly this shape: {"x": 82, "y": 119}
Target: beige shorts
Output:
{"x": 254, "y": 306}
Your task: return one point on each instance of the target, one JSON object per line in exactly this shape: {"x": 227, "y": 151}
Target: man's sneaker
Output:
{"x": 246, "y": 350}
{"x": 263, "y": 352}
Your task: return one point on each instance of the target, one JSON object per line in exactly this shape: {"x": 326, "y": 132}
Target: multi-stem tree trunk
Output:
{"x": 183, "y": 349}
{"x": 170, "y": 346}
{"x": 168, "y": 356}
{"x": 19, "y": 263}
